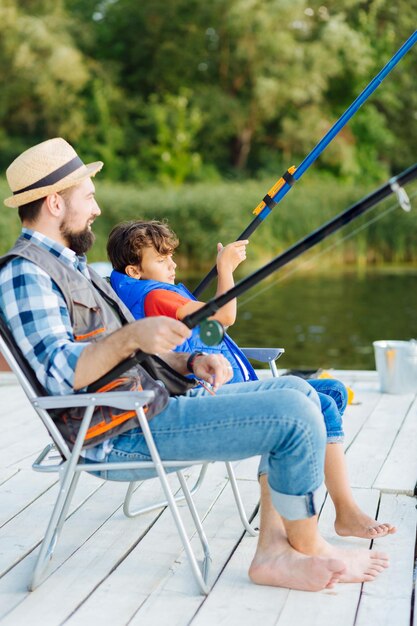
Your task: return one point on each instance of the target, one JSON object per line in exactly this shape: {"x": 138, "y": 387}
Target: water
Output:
{"x": 329, "y": 320}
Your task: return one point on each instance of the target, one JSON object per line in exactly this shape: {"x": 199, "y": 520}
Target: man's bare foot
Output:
{"x": 360, "y": 565}
{"x": 355, "y": 523}
{"x": 285, "y": 567}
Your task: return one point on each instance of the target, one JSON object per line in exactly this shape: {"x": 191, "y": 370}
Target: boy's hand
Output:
{"x": 232, "y": 255}
{"x": 213, "y": 368}
{"x": 159, "y": 334}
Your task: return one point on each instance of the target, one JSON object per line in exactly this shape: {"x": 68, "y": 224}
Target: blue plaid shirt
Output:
{"x": 37, "y": 315}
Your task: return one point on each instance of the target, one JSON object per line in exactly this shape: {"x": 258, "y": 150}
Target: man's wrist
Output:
{"x": 191, "y": 360}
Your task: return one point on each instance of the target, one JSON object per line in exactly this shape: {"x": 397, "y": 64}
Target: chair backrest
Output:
{"x": 29, "y": 382}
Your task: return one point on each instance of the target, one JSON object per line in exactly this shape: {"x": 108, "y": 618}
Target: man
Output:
{"x": 73, "y": 330}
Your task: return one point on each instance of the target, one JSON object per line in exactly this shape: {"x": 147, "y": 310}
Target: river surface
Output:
{"x": 328, "y": 320}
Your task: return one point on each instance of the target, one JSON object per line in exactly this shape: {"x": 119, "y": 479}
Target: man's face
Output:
{"x": 81, "y": 209}
{"x": 156, "y": 266}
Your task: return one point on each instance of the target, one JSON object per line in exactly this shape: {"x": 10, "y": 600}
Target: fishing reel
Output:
{"x": 211, "y": 332}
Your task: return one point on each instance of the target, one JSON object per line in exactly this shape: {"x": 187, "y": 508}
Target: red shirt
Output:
{"x": 164, "y": 302}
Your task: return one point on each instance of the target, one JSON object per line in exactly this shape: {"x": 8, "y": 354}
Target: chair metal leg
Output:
{"x": 66, "y": 490}
{"x": 56, "y": 522}
{"x": 129, "y": 512}
{"x": 239, "y": 503}
{"x": 273, "y": 368}
{"x": 198, "y": 575}
{"x": 198, "y": 524}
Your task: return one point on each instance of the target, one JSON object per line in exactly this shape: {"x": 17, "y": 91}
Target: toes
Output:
{"x": 368, "y": 577}
{"x": 379, "y": 563}
{"x": 375, "y": 570}
{"x": 379, "y": 556}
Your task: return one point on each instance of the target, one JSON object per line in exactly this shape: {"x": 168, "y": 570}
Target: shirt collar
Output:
{"x": 66, "y": 255}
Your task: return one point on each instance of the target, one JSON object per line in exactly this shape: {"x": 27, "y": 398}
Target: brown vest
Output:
{"x": 96, "y": 312}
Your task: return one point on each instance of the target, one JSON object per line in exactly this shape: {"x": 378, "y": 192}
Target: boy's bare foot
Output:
{"x": 360, "y": 565}
{"x": 285, "y": 567}
{"x": 355, "y": 523}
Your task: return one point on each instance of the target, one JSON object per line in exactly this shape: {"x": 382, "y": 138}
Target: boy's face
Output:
{"x": 155, "y": 266}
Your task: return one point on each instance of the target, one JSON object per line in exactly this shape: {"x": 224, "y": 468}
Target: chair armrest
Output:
{"x": 127, "y": 400}
{"x": 264, "y": 355}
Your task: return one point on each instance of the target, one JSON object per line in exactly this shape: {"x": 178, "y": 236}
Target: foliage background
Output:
{"x": 197, "y": 107}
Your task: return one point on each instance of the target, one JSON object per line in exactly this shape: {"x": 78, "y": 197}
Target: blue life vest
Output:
{"x": 133, "y": 293}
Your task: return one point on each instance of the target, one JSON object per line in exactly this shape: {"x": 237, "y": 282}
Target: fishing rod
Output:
{"x": 212, "y": 332}
{"x": 287, "y": 180}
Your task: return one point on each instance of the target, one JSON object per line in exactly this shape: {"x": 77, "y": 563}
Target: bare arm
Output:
{"x": 152, "y": 335}
{"x": 228, "y": 259}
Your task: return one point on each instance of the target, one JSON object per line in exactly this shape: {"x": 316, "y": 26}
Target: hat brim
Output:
{"x": 76, "y": 177}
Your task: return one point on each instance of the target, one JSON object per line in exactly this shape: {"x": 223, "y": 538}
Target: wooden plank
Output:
{"x": 33, "y": 431}
{"x": 21, "y": 490}
{"x": 387, "y": 600}
{"x": 105, "y": 549}
{"x": 399, "y": 472}
{"x": 357, "y": 414}
{"x": 24, "y": 449}
{"x": 89, "y": 511}
{"x": 6, "y": 474}
{"x": 177, "y": 591}
{"x": 133, "y": 571}
{"x": 158, "y": 563}
{"x": 370, "y": 448}
{"x": 24, "y": 532}
{"x": 247, "y": 469}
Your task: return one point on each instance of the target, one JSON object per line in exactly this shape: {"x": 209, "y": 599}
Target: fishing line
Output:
{"x": 293, "y": 174}
{"x": 317, "y": 255}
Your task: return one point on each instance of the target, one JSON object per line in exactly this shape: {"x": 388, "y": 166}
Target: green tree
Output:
{"x": 42, "y": 73}
{"x": 271, "y": 76}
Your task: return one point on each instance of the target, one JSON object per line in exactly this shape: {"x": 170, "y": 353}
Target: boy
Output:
{"x": 141, "y": 253}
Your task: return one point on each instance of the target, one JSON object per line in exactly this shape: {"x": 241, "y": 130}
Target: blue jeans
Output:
{"x": 279, "y": 418}
{"x": 333, "y": 400}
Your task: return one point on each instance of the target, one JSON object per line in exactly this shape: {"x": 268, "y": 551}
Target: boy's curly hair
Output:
{"x": 128, "y": 239}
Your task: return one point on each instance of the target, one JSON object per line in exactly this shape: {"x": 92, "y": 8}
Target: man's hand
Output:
{"x": 213, "y": 368}
{"x": 153, "y": 335}
{"x": 157, "y": 335}
{"x": 230, "y": 256}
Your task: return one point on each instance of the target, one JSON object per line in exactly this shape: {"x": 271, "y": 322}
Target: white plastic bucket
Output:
{"x": 396, "y": 364}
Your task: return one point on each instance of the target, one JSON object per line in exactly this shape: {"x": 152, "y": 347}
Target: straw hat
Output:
{"x": 46, "y": 168}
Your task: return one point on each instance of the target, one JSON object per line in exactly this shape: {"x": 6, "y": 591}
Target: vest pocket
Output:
{"x": 88, "y": 321}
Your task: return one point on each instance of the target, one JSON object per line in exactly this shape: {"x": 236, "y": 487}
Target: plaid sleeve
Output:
{"x": 38, "y": 318}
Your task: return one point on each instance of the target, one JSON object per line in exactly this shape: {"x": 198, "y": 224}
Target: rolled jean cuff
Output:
{"x": 263, "y": 465}
{"x": 298, "y": 507}
{"x": 336, "y": 438}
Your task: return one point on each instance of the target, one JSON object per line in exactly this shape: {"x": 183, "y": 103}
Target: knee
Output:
{"x": 309, "y": 419}
{"x": 333, "y": 388}
{"x": 302, "y": 386}
{"x": 341, "y": 396}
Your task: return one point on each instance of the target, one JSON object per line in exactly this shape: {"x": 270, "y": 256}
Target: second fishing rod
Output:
{"x": 293, "y": 174}
{"x": 211, "y": 331}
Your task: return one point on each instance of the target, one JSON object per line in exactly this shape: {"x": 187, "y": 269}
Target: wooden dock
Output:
{"x": 110, "y": 570}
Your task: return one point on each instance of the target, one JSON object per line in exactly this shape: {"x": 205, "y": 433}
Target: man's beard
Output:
{"x": 79, "y": 242}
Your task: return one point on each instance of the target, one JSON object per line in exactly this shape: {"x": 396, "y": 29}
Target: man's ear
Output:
{"x": 133, "y": 271}
{"x": 55, "y": 204}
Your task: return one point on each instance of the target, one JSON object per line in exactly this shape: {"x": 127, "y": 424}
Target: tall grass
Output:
{"x": 203, "y": 214}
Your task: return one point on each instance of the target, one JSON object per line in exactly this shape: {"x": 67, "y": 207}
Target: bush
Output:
{"x": 204, "y": 213}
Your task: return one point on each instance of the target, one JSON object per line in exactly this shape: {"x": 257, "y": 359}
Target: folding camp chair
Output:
{"x": 57, "y": 457}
